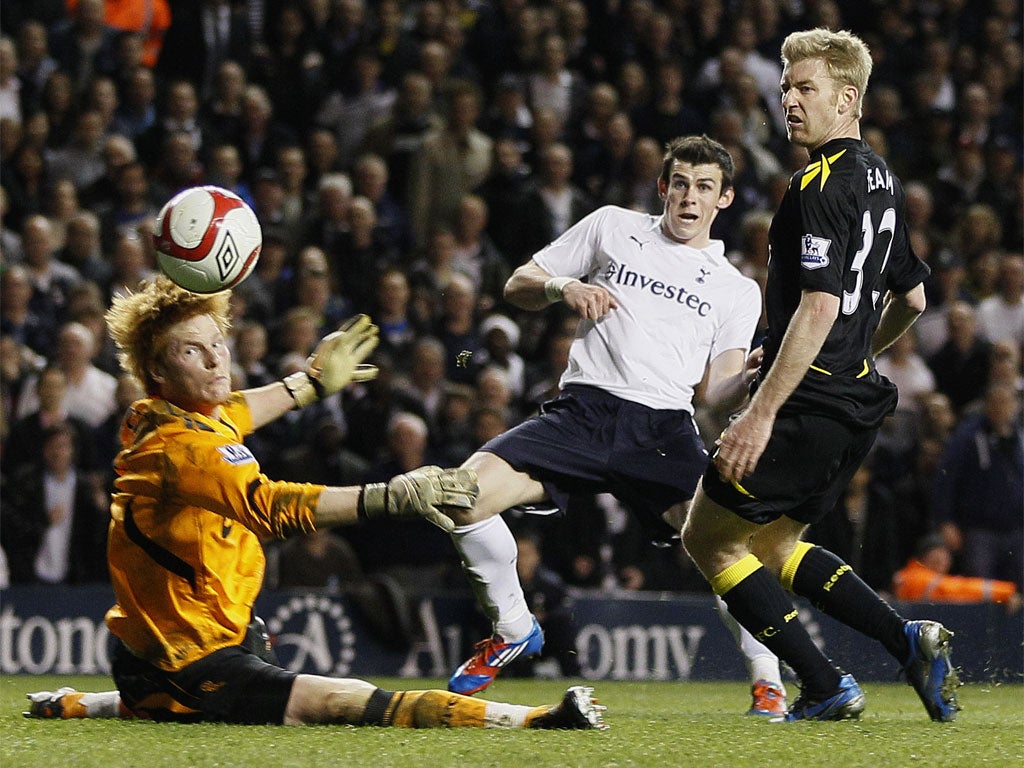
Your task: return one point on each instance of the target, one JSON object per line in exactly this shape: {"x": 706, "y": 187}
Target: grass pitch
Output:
{"x": 652, "y": 724}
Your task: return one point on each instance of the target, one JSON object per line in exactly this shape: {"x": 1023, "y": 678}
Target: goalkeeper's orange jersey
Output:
{"x": 189, "y": 510}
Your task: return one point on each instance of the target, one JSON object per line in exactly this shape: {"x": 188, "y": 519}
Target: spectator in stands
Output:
{"x": 555, "y": 203}
{"x": 24, "y": 442}
{"x": 363, "y": 103}
{"x": 451, "y": 162}
{"x": 137, "y": 112}
{"x": 291, "y": 168}
{"x": 429, "y": 273}
{"x": 117, "y": 151}
{"x": 604, "y": 173}
{"x": 399, "y": 138}
{"x": 1001, "y": 315}
{"x": 179, "y": 167}
{"x": 960, "y": 366}
{"x": 638, "y": 192}
{"x": 180, "y": 114}
{"x": 926, "y": 578}
{"x": 134, "y": 207}
{"x": 669, "y": 113}
{"x": 362, "y": 257}
{"x": 25, "y": 176}
{"x": 83, "y": 45}
{"x": 509, "y": 115}
{"x": 586, "y": 134}
{"x": 226, "y": 171}
{"x": 34, "y": 64}
{"x": 453, "y": 441}
{"x": 476, "y": 255}
{"x": 10, "y": 241}
{"x": 552, "y": 84}
{"x": 422, "y": 391}
{"x": 10, "y": 83}
{"x": 148, "y": 20}
{"x": 457, "y": 328}
{"x": 223, "y": 111}
{"x": 979, "y": 489}
{"x": 292, "y": 68}
{"x": 54, "y": 524}
{"x": 200, "y": 38}
{"x": 325, "y": 560}
{"x": 392, "y": 234}
{"x": 262, "y": 134}
{"x": 327, "y": 223}
{"x": 250, "y": 353}
{"x": 51, "y": 279}
{"x": 1004, "y": 368}
{"x": 494, "y": 392}
{"x": 19, "y": 320}
{"x": 399, "y": 327}
{"x": 108, "y": 434}
{"x": 314, "y": 289}
{"x": 61, "y": 205}
{"x": 500, "y": 337}
{"x": 131, "y": 266}
{"x": 90, "y": 391}
{"x": 905, "y": 368}
{"x": 504, "y": 190}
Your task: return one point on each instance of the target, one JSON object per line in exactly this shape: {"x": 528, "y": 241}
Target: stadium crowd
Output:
{"x": 403, "y": 156}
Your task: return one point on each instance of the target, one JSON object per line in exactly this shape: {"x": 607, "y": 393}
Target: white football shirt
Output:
{"x": 679, "y": 307}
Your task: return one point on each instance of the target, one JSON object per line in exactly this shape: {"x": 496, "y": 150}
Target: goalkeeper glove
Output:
{"x": 421, "y": 493}
{"x": 335, "y": 362}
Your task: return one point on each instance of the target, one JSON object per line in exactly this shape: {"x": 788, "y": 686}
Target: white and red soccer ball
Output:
{"x": 207, "y": 239}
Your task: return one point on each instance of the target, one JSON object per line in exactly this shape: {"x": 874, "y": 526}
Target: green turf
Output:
{"x": 652, "y": 724}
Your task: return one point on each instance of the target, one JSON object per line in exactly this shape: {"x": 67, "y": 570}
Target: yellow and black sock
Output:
{"x": 443, "y": 709}
{"x": 758, "y": 602}
{"x": 833, "y": 587}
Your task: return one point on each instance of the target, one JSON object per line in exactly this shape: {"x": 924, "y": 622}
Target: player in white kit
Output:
{"x": 663, "y": 312}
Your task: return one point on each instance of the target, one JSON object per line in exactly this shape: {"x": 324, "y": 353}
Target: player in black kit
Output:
{"x": 843, "y": 284}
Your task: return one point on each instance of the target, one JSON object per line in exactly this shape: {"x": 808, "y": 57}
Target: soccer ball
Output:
{"x": 207, "y": 239}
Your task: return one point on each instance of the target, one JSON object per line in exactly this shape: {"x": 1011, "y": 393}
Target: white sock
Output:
{"x": 488, "y": 551}
{"x": 498, "y": 715}
{"x": 104, "y": 704}
{"x": 761, "y": 662}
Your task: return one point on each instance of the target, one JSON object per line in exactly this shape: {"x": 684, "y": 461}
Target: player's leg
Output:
{"x": 921, "y": 647}
{"x": 718, "y": 541}
{"x": 831, "y": 585}
{"x": 768, "y": 694}
{"x": 67, "y": 703}
{"x": 488, "y": 552}
{"x": 317, "y": 699}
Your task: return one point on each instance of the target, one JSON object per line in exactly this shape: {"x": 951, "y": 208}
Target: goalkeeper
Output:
{"x": 189, "y": 510}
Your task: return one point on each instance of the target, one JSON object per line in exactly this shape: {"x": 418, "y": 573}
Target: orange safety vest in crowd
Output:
{"x": 150, "y": 18}
{"x": 918, "y": 583}
{"x": 189, "y": 511}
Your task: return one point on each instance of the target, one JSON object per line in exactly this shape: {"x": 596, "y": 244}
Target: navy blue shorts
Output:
{"x": 589, "y": 441}
{"x": 803, "y": 472}
{"x": 232, "y": 685}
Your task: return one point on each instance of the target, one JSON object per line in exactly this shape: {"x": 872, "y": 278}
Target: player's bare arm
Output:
{"x": 898, "y": 314}
{"x": 727, "y": 379}
{"x": 741, "y": 445}
{"x": 534, "y": 288}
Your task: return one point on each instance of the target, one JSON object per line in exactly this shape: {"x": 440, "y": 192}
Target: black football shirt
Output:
{"x": 840, "y": 229}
